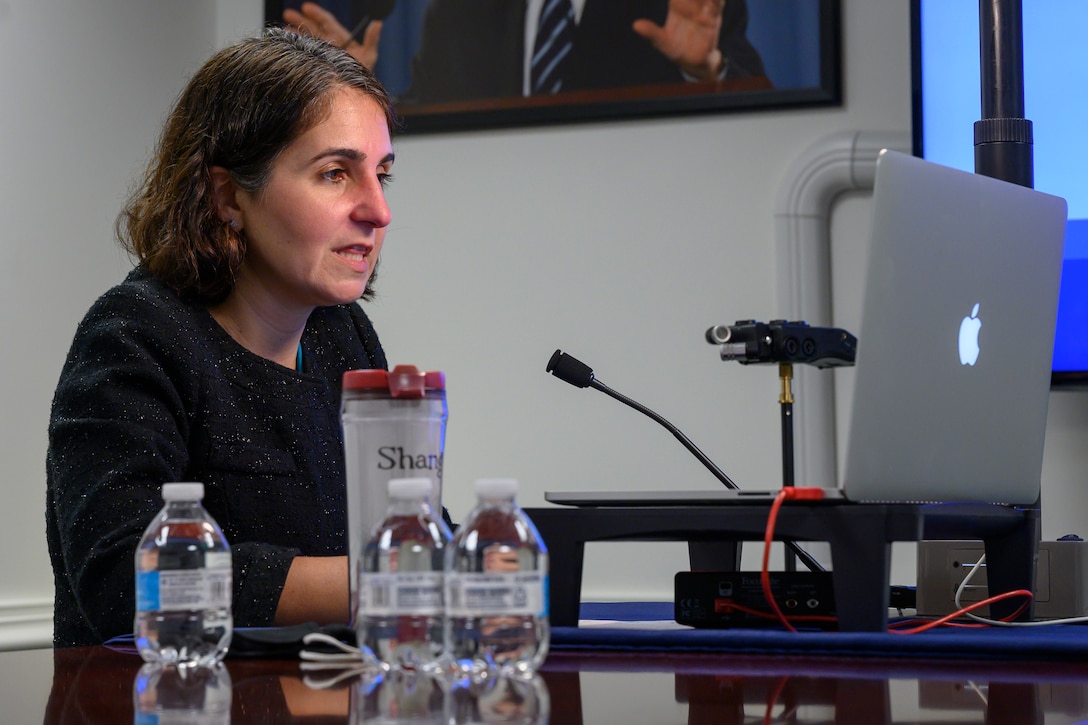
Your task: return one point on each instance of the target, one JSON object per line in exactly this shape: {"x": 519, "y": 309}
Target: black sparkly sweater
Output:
{"x": 152, "y": 391}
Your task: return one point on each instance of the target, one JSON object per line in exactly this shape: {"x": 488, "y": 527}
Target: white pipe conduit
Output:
{"x": 838, "y": 163}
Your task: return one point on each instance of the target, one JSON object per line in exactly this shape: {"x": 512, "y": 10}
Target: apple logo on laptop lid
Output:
{"x": 969, "y": 329}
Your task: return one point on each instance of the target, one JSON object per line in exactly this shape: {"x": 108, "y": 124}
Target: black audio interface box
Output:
{"x": 721, "y": 600}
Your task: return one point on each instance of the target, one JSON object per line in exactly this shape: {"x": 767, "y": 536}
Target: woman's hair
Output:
{"x": 239, "y": 111}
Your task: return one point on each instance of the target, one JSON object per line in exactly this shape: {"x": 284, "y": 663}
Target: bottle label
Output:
{"x": 486, "y": 594}
{"x": 401, "y": 459}
{"x": 175, "y": 590}
{"x": 390, "y": 594}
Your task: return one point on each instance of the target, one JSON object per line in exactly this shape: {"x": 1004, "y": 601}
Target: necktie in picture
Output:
{"x": 554, "y": 42}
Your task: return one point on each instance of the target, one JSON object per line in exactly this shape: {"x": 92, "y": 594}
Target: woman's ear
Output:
{"x": 223, "y": 192}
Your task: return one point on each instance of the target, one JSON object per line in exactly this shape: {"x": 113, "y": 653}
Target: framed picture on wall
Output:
{"x": 469, "y": 64}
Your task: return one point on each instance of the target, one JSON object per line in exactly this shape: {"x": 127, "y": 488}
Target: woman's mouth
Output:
{"x": 356, "y": 257}
{"x": 353, "y": 254}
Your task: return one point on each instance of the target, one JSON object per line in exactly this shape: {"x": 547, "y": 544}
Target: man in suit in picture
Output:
{"x": 476, "y": 49}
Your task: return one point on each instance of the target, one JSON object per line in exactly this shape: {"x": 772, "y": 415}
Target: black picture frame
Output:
{"x": 799, "y": 43}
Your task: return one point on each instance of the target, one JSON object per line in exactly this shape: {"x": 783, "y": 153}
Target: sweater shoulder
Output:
{"x": 141, "y": 297}
{"x": 141, "y": 319}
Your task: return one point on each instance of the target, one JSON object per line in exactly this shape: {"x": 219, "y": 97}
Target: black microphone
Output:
{"x": 580, "y": 375}
{"x": 570, "y": 370}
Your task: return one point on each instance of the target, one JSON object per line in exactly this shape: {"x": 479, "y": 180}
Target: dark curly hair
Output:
{"x": 239, "y": 111}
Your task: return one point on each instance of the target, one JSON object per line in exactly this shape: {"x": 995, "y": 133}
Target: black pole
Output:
{"x": 787, "y": 443}
{"x": 785, "y": 401}
{"x": 1003, "y": 137}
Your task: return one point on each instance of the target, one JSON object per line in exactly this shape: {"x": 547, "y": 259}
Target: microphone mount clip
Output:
{"x": 751, "y": 343}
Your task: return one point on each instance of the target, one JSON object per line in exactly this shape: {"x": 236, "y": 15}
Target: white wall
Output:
{"x": 85, "y": 86}
{"x": 618, "y": 242}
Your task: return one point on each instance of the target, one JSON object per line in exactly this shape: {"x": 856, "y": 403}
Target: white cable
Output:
{"x": 348, "y": 661}
{"x": 325, "y": 683}
{"x": 998, "y": 623}
{"x": 347, "y": 652}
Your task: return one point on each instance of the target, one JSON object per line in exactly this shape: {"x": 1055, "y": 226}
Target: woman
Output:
{"x": 219, "y": 359}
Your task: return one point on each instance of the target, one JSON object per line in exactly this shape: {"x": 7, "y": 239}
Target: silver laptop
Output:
{"x": 954, "y": 351}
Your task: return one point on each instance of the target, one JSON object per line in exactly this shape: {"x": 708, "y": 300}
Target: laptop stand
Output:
{"x": 859, "y": 534}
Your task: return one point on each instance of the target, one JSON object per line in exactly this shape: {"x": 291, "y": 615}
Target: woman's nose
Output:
{"x": 371, "y": 205}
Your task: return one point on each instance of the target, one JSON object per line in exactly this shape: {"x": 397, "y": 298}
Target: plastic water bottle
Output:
{"x": 497, "y": 588}
{"x": 183, "y": 583}
{"x": 400, "y": 617}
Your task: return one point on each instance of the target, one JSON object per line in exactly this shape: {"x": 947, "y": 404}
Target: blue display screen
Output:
{"x": 948, "y": 102}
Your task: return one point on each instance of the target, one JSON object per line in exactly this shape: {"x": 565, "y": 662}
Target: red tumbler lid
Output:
{"x": 403, "y": 381}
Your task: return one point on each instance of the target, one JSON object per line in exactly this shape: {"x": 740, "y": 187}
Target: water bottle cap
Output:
{"x": 403, "y": 381}
{"x": 410, "y": 488}
{"x": 182, "y": 491}
{"x": 496, "y": 487}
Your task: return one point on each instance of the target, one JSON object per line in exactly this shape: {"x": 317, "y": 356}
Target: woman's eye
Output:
{"x": 385, "y": 179}
{"x": 334, "y": 174}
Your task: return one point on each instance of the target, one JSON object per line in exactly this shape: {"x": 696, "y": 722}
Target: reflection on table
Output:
{"x": 99, "y": 685}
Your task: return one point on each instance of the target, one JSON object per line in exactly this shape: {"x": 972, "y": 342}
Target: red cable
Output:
{"x": 772, "y": 699}
{"x": 795, "y": 494}
{"x": 729, "y": 606}
{"x": 945, "y": 620}
{"x": 765, "y": 574}
{"x": 816, "y": 494}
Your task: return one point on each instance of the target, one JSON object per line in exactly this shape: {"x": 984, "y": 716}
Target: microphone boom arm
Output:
{"x": 580, "y": 375}
{"x": 711, "y": 466}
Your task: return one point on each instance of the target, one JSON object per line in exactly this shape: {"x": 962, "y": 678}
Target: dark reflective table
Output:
{"x": 100, "y": 685}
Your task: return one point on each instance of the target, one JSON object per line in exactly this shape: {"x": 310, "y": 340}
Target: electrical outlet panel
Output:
{"x": 1061, "y": 578}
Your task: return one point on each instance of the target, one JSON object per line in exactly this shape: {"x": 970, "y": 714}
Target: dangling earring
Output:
{"x": 234, "y": 224}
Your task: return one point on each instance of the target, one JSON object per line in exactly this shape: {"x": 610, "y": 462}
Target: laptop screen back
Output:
{"x": 952, "y": 373}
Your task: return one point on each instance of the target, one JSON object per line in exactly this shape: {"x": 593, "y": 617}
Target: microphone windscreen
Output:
{"x": 568, "y": 369}
{"x": 719, "y": 334}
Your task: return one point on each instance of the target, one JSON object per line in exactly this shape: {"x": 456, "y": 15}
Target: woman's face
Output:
{"x": 314, "y": 232}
